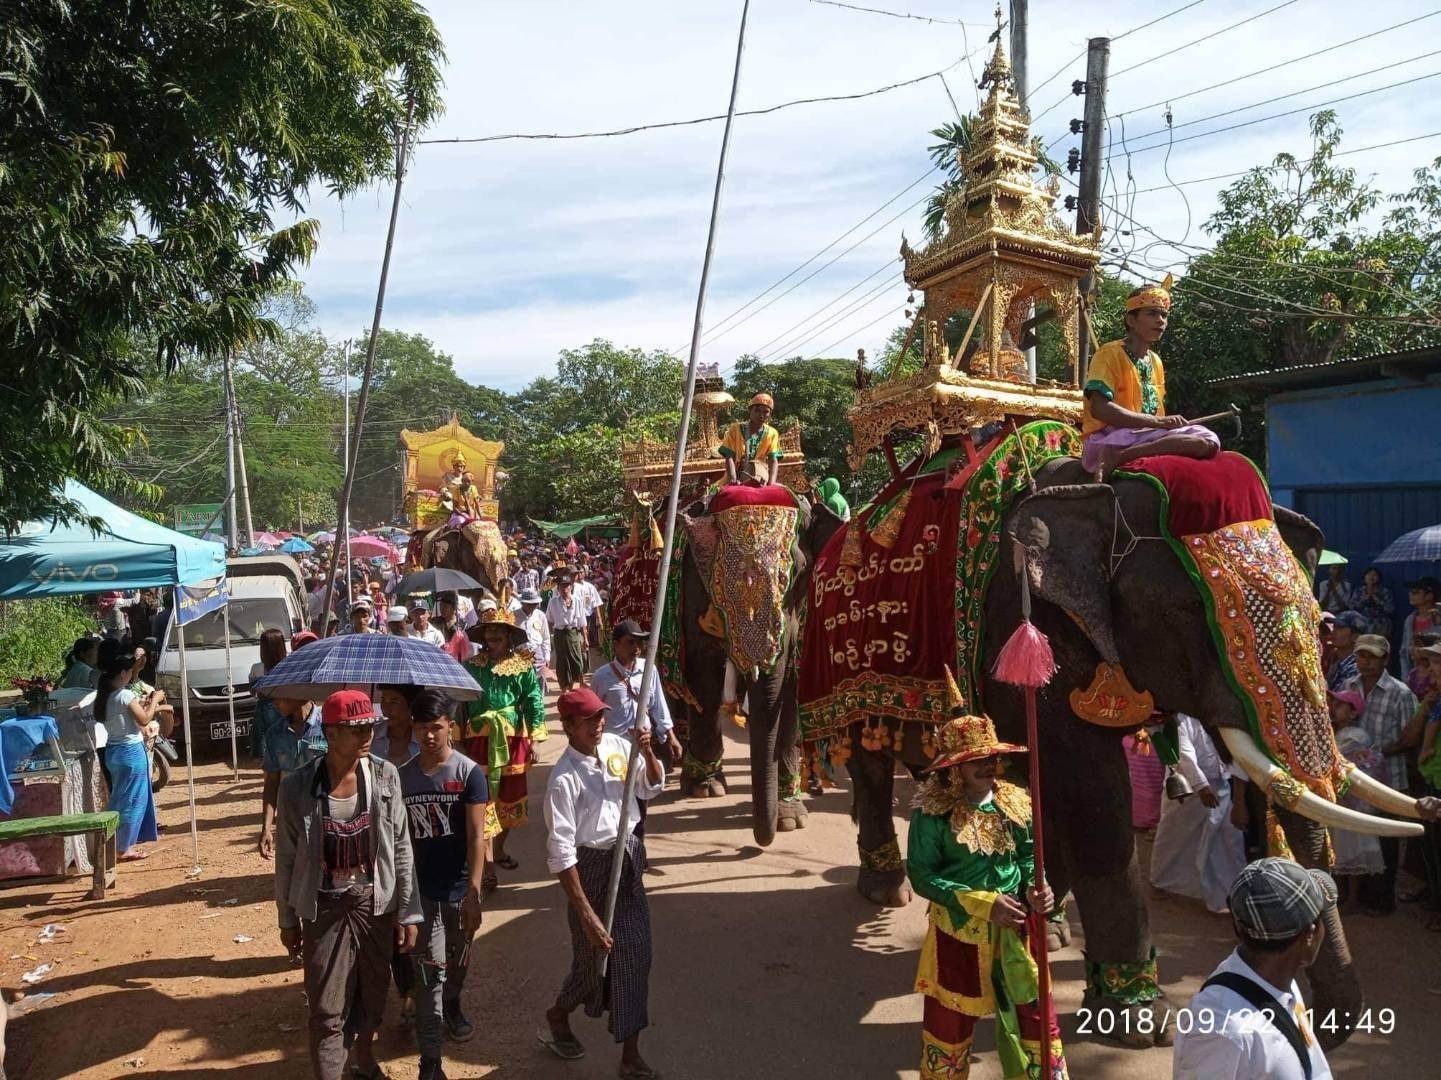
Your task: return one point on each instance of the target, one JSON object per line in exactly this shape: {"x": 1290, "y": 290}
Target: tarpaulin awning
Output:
{"x": 564, "y": 530}
{"x": 45, "y": 558}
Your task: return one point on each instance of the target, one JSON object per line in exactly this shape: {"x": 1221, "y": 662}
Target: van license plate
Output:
{"x": 221, "y": 730}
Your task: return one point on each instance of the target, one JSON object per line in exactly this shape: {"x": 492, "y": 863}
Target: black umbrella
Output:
{"x": 436, "y": 580}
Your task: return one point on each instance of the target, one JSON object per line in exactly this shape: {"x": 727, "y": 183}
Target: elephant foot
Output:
{"x": 1139, "y": 1026}
{"x": 703, "y": 787}
{"x": 886, "y": 888}
{"x": 1058, "y": 935}
{"x": 792, "y": 815}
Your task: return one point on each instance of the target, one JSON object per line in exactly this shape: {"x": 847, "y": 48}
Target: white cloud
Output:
{"x": 509, "y": 251}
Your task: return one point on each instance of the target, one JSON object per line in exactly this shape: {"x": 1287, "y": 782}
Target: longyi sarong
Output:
{"x": 567, "y": 651}
{"x": 346, "y": 953}
{"x": 130, "y": 794}
{"x": 624, "y": 990}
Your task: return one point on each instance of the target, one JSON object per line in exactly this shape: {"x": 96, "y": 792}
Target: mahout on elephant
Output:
{"x": 1159, "y": 591}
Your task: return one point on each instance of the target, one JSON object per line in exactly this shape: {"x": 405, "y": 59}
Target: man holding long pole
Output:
{"x": 583, "y": 815}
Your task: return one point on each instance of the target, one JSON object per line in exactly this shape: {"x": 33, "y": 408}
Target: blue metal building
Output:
{"x": 1355, "y": 445}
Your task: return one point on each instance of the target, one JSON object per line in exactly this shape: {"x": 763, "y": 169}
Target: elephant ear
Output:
{"x": 1302, "y": 535}
{"x": 1067, "y": 533}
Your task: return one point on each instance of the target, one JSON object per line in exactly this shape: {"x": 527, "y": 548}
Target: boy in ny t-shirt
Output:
{"x": 448, "y": 805}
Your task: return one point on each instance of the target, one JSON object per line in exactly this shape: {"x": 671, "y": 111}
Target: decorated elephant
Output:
{"x": 1169, "y": 589}
{"x": 729, "y": 636}
{"x": 476, "y": 548}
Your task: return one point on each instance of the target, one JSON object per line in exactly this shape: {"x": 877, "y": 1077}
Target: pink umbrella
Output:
{"x": 369, "y": 547}
{"x": 268, "y": 539}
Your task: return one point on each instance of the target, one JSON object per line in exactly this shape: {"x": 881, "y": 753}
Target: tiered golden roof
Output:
{"x": 646, "y": 463}
{"x": 1002, "y": 249}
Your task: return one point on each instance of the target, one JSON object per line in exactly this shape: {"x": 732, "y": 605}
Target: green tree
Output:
{"x": 814, "y": 394}
{"x": 145, "y": 153}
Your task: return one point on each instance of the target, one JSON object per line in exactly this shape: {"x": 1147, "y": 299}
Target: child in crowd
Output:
{"x": 1356, "y": 855}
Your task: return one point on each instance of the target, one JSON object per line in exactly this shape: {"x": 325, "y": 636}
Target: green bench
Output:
{"x": 98, "y": 827}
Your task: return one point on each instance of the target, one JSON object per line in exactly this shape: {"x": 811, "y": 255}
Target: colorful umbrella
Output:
{"x": 366, "y": 547}
{"x": 321, "y": 538}
{"x": 267, "y": 540}
{"x": 323, "y": 667}
{"x": 296, "y": 546}
{"x": 1419, "y": 545}
{"x": 1331, "y": 558}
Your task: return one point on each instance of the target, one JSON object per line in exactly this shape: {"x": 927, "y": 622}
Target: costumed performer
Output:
{"x": 752, "y": 450}
{"x": 1125, "y": 411}
{"x": 501, "y": 727}
{"x": 971, "y": 854}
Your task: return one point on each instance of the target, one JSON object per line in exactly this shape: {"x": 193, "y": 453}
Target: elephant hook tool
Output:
{"x": 1232, "y": 414}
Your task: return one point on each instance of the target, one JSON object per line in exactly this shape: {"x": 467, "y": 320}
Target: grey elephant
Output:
{"x": 770, "y": 694}
{"x": 1108, "y": 588}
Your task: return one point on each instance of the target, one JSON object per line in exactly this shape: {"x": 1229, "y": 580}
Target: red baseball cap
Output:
{"x": 304, "y": 637}
{"x": 347, "y": 708}
{"x": 579, "y": 703}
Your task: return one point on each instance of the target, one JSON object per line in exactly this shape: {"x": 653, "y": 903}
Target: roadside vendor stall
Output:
{"x": 124, "y": 552}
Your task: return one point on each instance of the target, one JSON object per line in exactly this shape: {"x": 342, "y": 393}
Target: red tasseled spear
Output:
{"x": 1026, "y": 661}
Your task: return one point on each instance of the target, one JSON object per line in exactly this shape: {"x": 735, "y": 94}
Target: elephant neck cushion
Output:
{"x": 1206, "y": 495}
{"x": 748, "y": 495}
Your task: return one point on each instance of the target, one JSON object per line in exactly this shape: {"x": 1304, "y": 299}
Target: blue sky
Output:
{"x": 508, "y": 252}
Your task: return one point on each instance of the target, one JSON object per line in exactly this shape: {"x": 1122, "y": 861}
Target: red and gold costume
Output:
{"x": 961, "y": 858}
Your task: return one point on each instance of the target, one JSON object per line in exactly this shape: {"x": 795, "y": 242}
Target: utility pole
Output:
{"x": 1088, "y": 205}
{"x": 243, "y": 488}
{"x": 230, "y": 529}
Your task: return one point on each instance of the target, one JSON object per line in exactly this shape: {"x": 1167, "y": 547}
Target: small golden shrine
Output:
{"x": 429, "y": 457}
{"x": 646, "y": 464}
{"x": 1002, "y": 250}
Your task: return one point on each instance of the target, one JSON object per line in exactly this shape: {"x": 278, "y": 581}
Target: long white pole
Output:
{"x": 345, "y": 458}
{"x": 647, "y": 681}
{"x": 179, "y": 630}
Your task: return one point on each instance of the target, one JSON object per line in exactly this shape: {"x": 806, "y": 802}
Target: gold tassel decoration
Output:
{"x": 656, "y": 540}
{"x": 851, "y": 548}
{"x": 889, "y": 530}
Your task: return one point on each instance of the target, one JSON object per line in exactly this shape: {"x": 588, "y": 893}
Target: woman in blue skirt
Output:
{"x": 129, "y": 722}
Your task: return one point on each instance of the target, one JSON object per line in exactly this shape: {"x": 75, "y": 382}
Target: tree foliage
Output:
{"x": 147, "y": 152}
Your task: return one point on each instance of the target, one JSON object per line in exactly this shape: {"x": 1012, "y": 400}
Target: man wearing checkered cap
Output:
{"x": 1249, "y": 1022}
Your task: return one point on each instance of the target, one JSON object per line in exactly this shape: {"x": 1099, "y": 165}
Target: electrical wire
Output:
{"x": 794, "y": 346}
{"x": 1294, "y": 93}
{"x": 1289, "y": 112}
{"x": 1276, "y": 67}
{"x": 858, "y": 330}
{"x": 635, "y": 128}
{"x": 1200, "y": 40}
{"x": 896, "y": 14}
{"x": 807, "y": 319}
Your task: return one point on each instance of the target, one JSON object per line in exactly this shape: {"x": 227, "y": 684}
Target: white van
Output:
{"x": 266, "y": 592}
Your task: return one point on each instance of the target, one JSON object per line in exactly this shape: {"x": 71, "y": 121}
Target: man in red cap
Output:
{"x": 752, "y": 450}
{"x": 344, "y": 885}
{"x": 582, "y": 812}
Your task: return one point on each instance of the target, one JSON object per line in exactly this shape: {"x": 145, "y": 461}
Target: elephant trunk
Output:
{"x": 1335, "y": 987}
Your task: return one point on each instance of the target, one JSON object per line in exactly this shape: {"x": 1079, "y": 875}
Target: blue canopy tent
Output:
{"x": 47, "y": 558}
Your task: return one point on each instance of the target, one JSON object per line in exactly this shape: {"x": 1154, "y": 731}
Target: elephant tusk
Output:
{"x": 1281, "y": 788}
{"x": 1383, "y": 797}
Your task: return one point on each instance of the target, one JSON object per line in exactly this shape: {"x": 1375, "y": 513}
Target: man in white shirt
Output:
{"x": 582, "y": 814}
{"x": 567, "y": 613}
{"x": 1249, "y": 1022}
{"x": 420, "y": 626}
{"x": 537, "y": 632}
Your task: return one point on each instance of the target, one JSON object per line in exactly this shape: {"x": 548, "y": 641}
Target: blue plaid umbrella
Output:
{"x": 1418, "y": 545}
{"x": 319, "y": 669}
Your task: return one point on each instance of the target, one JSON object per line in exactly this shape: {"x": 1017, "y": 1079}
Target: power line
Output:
{"x": 1289, "y": 112}
{"x": 853, "y": 333}
{"x": 797, "y": 325}
{"x": 865, "y": 300}
{"x": 1203, "y": 38}
{"x": 1275, "y": 67}
{"x": 1294, "y": 93}
{"x": 896, "y": 14}
{"x": 714, "y": 331}
{"x": 698, "y": 120}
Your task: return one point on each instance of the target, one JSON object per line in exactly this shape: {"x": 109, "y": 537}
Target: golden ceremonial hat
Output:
{"x": 1152, "y": 296}
{"x": 966, "y": 737}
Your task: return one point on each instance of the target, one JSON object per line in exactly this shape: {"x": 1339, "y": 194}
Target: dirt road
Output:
{"x": 767, "y": 963}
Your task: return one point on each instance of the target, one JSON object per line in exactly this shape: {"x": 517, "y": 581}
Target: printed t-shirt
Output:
{"x": 436, "y": 805}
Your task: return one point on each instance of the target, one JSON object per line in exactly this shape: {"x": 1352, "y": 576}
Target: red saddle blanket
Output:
{"x": 748, "y": 495}
{"x": 1207, "y": 495}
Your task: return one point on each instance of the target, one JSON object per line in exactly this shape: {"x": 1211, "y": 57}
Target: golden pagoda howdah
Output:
{"x": 1002, "y": 249}
{"x": 446, "y": 470}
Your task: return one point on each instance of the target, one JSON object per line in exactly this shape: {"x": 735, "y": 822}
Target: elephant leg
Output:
{"x": 1335, "y": 987}
{"x": 1089, "y": 812}
{"x": 701, "y": 773}
{"x": 882, "y": 878}
{"x": 792, "y": 809}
